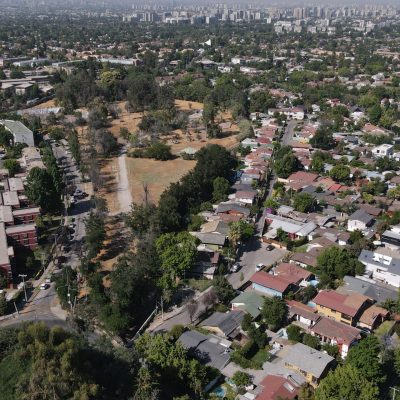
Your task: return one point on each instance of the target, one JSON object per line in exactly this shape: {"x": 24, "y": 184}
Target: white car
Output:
{"x": 259, "y": 267}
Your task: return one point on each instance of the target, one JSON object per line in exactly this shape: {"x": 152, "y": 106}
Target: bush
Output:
{"x": 159, "y": 151}
{"x": 294, "y": 333}
{"x": 176, "y": 331}
{"x": 311, "y": 341}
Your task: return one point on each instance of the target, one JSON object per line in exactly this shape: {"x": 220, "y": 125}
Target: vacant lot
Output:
{"x": 157, "y": 175}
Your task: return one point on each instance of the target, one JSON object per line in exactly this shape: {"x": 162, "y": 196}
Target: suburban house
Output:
{"x": 293, "y": 273}
{"x": 233, "y": 209}
{"x": 294, "y": 229}
{"x": 213, "y": 241}
{"x": 333, "y": 332}
{"x": 205, "y": 265}
{"x": 341, "y": 307}
{"x": 359, "y": 221}
{"x": 381, "y": 267}
{"x": 21, "y": 134}
{"x": 310, "y": 363}
{"x": 224, "y": 324}
{"x": 275, "y": 387}
{"x": 208, "y": 349}
{"x": 249, "y": 302}
{"x": 304, "y": 260}
{"x": 391, "y": 238}
{"x": 271, "y": 285}
{"x": 372, "y": 317}
{"x": 383, "y": 150}
{"x": 374, "y": 290}
{"x": 302, "y": 313}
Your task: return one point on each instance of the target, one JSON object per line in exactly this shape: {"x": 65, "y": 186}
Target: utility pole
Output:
{"x": 23, "y": 276}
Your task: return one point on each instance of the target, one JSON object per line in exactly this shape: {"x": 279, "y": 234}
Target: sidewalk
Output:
{"x": 178, "y": 316}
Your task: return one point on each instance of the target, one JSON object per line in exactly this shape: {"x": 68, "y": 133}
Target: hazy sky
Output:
{"x": 258, "y": 3}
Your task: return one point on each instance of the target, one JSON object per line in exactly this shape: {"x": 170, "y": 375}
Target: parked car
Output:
{"x": 259, "y": 267}
{"x": 270, "y": 247}
{"x": 235, "y": 267}
{"x": 44, "y": 286}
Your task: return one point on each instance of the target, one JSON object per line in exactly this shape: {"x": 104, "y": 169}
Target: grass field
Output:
{"x": 157, "y": 175}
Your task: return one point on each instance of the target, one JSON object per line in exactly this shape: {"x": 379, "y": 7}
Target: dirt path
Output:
{"x": 123, "y": 190}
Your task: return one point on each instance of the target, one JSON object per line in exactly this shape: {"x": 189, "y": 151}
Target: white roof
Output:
{"x": 6, "y": 214}
{"x": 4, "y": 258}
{"x": 15, "y": 184}
{"x": 20, "y": 228}
{"x": 10, "y": 199}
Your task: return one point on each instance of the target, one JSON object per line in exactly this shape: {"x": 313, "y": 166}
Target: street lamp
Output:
{"x": 23, "y": 276}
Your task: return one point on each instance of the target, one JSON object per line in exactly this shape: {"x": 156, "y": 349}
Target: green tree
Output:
{"x": 274, "y": 312}
{"x": 240, "y": 231}
{"x": 3, "y": 304}
{"x": 6, "y": 137}
{"x": 12, "y": 165}
{"x": 177, "y": 253}
{"x": 146, "y": 386}
{"x": 95, "y": 234}
{"x": 286, "y": 165}
{"x": 340, "y": 173}
{"x": 323, "y": 139}
{"x": 375, "y": 113}
{"x": 294, "y": 333}
{"x": 241, "y": 379}
{"x": 334, "y": 263}
{"x": 311, "y": 341}
{"x": 303, "y": 202}
{"x": 221, "y": 189}
{"x": 159, "y": 151}
{"x": 365, "y": 357}
{"x": 346, "y": 382}
{"x": 224, "y": 290}
{"x": 42, "y": 191}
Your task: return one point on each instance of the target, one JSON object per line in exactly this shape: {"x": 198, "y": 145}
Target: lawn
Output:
{"x": 260, "y": 357}
{"x": 199, "y": 284}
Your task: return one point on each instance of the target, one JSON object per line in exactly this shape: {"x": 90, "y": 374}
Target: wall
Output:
{"x": 267, "y": 291}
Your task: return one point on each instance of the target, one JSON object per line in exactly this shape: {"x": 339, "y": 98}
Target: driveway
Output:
{"x": 254, "y": 252}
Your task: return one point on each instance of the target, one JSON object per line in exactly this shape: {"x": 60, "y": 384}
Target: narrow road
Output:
{"x": 123, "y": 191}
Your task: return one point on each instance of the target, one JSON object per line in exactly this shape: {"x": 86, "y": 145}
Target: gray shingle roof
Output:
{"x": 375, "y": 291}
{"x": 361, "y": 215}
{"x": 210, "y": 238}
{"x": 226, "y": 322}
{"x": 207, "y": 350}
{"x": 308, "y": 359}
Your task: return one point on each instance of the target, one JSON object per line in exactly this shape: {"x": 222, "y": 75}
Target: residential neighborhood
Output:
{"x": 199, "y": 201}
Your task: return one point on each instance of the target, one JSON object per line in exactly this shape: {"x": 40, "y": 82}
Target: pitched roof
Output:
{"x": 308, "y": 359}
{"x": 205, "y": 348}
{"x": 361, "y": 215}
{"x": 278, "y": 283}
{"x": 347, "y": 304}
{"x": 277, "y": 387}
{"x": 210, "y": 238}
{"x": 307, "y": 177}
{"x": 332, "y": 329}
{"x": 250, "y": 302}
{"x": 225, "y": 207}
{"x": 292, "y": 272}
{"x": 228, "y": 323}
{"x": 297, "y": 308}
{"x": 375, "y": 291}
{"x": 304, "y": 258}
{"x": 369, "y": 316}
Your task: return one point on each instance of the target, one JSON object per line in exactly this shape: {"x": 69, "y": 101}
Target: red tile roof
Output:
{"x": 307, "y": 177}
{"x": 292, "y": 272}
{"x": 347, "y": 304}
{"x": 277, "y": 283}
{"x": 332, "y": 329}
{"x": 277, "y": 387}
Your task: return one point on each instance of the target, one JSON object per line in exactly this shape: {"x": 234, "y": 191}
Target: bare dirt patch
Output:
{"x": 157, "y": 175}
{"x": 47, "y": 104}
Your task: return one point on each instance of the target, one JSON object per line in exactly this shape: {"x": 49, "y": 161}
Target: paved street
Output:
{"x": 254, "y": 252}
{"x": 43, "y": 307}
